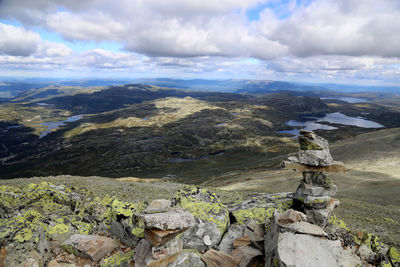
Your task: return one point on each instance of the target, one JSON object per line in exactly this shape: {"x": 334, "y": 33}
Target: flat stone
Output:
{"x": 242, "y": 241}
{"x": 163, "y": 262}
{"x": 91, "y": 247}
{"x": 158, "y": 205}
{"x": 228, "y": 240}
{"x": 175, "y": 218}
{"x": 304, "y": 228}
{"x": 245, "y": 255}
{"x": 255, "y": 231}
{"x": 159, "y": 237}
{"x": 336, "y": 166}
{"x": 289, "y": 216}
{"x": 215, "y": 258}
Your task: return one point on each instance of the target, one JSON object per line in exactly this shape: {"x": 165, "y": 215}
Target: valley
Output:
{"x": 228, "y": 141}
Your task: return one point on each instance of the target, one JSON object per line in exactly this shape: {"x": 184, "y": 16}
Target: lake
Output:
{"x": 311, "y": 123}
{"x": 53, "y": 125}
{"x": 347, "y": 99}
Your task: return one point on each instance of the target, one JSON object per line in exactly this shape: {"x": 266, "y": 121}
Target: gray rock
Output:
{"x": 122, "y": 233}
{"x": 188, "y": 259}
{"x": 43, "y": 246}
{"x": 314, "y": 150}
{"x": 320, "y": 217}
{"x": 244, "y": 256}
{"x": 193, "y": 238}
{"x": 234, "y": 232}
{"x": 164, "y": 255}
{"x": 175, "y": 218}
{"x": 314, "y": 190}
{"x": 91, "y": 247}
{"x": 158, "y": 205}
{"x": 304, "y": 228}
{"x": 255, "y": 231}
{"x": 289, "y": 249}
{"x": 315, "y": 157}
{"x": 316, "y": 202}
{"x": 141, "y": 251}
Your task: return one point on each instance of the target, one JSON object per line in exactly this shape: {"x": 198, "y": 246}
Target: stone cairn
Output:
{"x": 314, "y": 194}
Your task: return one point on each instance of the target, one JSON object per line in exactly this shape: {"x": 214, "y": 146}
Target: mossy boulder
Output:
{"x": 212, "y": 217}
{"x": 259, "y": 207}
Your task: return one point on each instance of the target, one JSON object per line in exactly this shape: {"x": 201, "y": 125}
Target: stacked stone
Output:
{"x": 162, "y": 224}
{"x": 314, "y": 194}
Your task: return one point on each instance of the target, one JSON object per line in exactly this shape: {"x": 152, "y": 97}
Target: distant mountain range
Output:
{"x": 10, "y": 87}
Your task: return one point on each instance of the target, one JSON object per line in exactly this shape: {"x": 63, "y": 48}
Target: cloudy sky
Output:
{"x": 338, "y": 41}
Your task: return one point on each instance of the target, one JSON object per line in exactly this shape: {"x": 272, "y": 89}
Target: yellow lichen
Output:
{"x": 261, "y": 215}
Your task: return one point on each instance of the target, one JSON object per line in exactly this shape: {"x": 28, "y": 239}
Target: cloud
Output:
{"x": 17, "y": 41}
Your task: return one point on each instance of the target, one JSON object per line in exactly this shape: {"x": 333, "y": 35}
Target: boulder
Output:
{"x": 188, "y": 258}
{"x": 314, "y": 150}
{"x": 175, "y": 218}
{"x": 234, "y": 233}
{"x": 215, "y": 258}
{"x": 91, "y": 247}
{"x": 158, "y": 205}
{"x": 245, "y": 255}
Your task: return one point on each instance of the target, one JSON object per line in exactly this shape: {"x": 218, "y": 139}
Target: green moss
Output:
{"x": 261, "y": 215}
{"x": 393, "y": 255}
{"x": 24, "y": 235}
{"x": 306, "y": 144}
{"x": 138, "y": 232}
{"x": 207, "y": 212}
{"x": 58, "y": 229}
{"x": 117, "y": 259}
{"x": 338, "y": 223}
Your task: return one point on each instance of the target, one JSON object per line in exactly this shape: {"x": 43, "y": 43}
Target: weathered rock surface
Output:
{"x": 91, "y": 247}
{"x": 158, "y": 237}
{"x": 158, "y": 205}
{"x": 242, "y": 241}
{"x": 173, "y": 219}
{"x": 314, "y": 150}
{"x": 245, "y": 255}
{"x": 141, "y": 251}
{"x": 234, "y": 233}
{"x": 292, "y": 249}
{"x": 188, "y": 258}
{"x": 215, "y": 258}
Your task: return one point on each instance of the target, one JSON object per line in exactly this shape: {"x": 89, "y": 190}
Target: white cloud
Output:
{"x": 17, "y": 41}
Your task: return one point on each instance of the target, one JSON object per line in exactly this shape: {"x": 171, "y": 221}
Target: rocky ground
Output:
{"x": 48, "y": 224}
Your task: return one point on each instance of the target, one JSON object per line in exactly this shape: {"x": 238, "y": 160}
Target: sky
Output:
{"x": 332, "y": 41}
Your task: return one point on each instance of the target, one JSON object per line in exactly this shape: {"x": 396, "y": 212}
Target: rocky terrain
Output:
{"x": 50, "y": 224}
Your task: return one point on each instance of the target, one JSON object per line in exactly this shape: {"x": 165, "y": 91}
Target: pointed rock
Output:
{"x": 215, "y": 258}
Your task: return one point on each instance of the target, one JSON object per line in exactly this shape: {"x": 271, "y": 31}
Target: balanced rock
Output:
{"x": 314, "y": 150}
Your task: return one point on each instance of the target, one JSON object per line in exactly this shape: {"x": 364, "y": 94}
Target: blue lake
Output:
{"x": 312, "y": 123}
{"x": 347, "y": 99}
{"x": 52, "y": 125}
